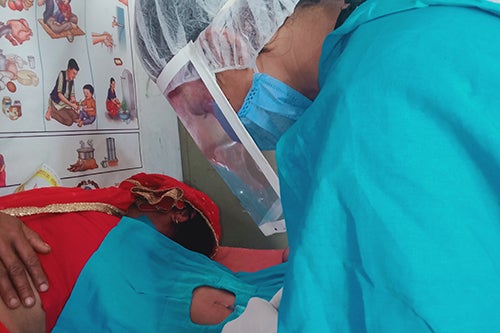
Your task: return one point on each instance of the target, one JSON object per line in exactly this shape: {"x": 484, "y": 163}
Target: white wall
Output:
{"x": 158, "y": 122}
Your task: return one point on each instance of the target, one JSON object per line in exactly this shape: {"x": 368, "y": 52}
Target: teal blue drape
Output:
{"x": 390, "y": 181}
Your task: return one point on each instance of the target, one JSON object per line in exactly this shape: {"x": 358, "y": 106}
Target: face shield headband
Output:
{"x": 191, "y": 89}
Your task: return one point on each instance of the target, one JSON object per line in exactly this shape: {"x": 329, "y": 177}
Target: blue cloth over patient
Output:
{"x": 141, "y": 281}
{"x": 390, "y": 181}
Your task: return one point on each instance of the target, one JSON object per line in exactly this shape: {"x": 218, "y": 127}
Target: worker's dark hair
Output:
{"x": 344, "y": 14}
{"x": 307, "y": 2}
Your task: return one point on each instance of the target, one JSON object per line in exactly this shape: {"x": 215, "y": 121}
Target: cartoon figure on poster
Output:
{"x": 113, "y": 104}
{"x": 87, "y": 107}
{"x": 86, "y": 160}
{"x": 59, "y": 20}
{"x": 65, "y": 13}
{"x": 62, "y": 102}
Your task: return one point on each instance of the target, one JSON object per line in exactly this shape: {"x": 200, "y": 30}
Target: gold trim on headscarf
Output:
{"x": 154, "y": 197}
{"x": 65, "y": 208}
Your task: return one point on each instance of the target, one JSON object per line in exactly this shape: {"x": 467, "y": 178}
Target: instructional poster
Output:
{"x": 67, "y": 93}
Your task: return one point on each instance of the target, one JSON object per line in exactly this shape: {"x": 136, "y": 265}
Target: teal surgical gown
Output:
{"x": 390, "y": 181}
{"x": 140, "y": 281}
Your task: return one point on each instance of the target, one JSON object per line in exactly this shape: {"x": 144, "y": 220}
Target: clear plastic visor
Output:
{"x": 215, "y": 128}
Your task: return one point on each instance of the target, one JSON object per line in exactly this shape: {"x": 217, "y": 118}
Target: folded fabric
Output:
{"x": 141, "y": 281}
{"x": 390, "y": 181}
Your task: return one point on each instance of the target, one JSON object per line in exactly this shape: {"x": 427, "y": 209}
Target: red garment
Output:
{"x": 83, "y": 233}
{"x": 65, "y": 9}
{"x": 112, "y": 108}
{"x": 84, "y": 229}
{"x": 3, "y": 329}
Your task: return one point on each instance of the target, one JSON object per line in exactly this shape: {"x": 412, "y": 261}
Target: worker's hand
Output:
{"x": 18, "y": 258}
{"x": 260, "y": 316}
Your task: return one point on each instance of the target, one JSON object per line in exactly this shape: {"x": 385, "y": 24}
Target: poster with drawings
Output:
{"x": 67, "y": 90}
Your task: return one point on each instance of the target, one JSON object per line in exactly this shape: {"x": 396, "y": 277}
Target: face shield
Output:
{"x": 233, "y": 34}
{"x": 215, "y": 128}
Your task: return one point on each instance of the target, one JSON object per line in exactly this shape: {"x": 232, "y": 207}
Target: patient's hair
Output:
{"x": 195, "y": 235}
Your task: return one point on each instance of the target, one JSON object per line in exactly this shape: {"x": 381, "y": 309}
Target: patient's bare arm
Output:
{"x": 18, "y": 244}
{"x": 210, "y": 306}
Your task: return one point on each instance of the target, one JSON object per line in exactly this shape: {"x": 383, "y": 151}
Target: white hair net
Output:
{"x": 229, "y": 33}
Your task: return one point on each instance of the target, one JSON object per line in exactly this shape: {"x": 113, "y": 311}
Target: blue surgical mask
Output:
{"x": 269, "y": 109}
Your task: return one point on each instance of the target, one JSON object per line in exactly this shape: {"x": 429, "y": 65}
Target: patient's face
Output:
{"x": 165, "y": 221}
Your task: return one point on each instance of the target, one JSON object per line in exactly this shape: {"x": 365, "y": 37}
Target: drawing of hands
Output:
{"x": 103, "y": 38}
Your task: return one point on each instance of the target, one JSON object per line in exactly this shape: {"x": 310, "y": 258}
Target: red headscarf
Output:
{"x": 169, "y": 192}
{"x": 155, "y": 189}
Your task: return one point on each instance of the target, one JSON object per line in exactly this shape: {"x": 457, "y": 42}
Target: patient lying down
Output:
{"x": 139, "y": 254}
